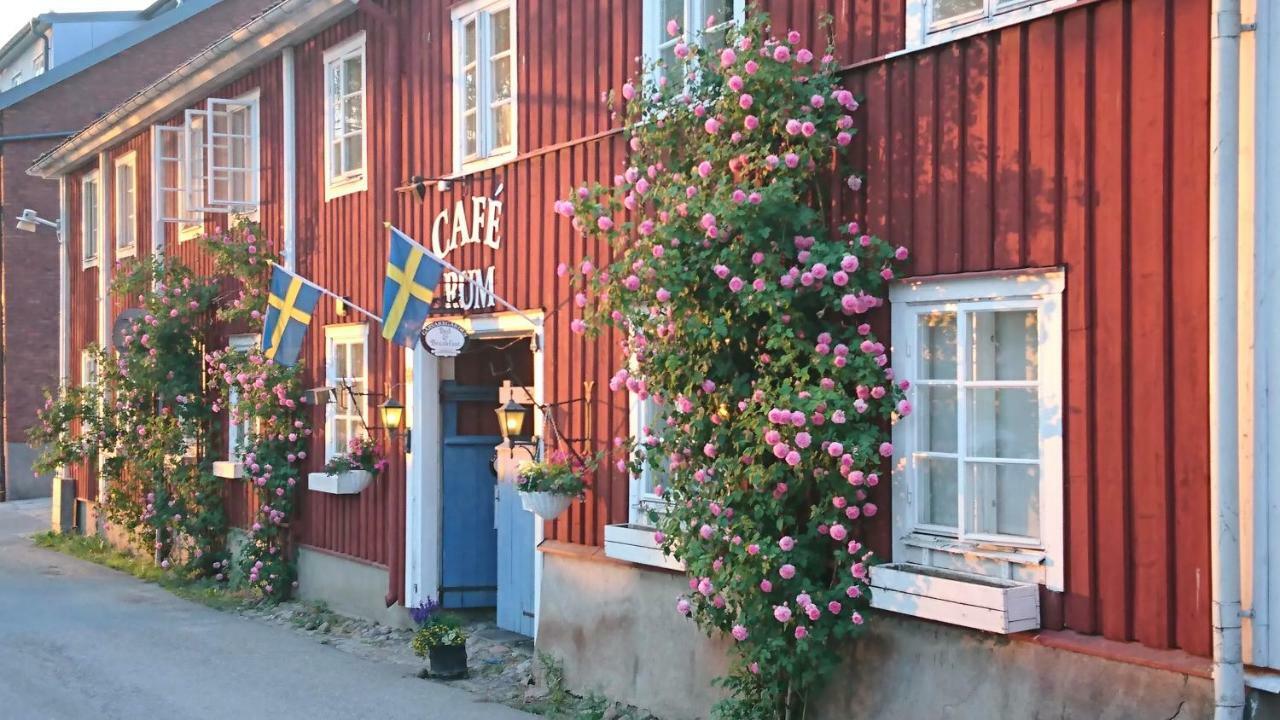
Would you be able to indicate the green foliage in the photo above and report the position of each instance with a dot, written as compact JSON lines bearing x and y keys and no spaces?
{"x":744,"y":310}
{"x":561,"y":473}
{"x":441,"y":630}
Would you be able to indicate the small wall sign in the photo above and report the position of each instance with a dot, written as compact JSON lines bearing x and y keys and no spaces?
{"x":443,"y":338}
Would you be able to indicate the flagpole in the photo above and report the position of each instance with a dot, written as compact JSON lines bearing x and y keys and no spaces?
{"x":331,"y":294}
{"x":501,"y":300}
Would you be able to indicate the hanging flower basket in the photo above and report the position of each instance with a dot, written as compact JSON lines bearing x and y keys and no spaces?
{"x":546,"y":505}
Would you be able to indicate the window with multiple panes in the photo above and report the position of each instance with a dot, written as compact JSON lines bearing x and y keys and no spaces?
{"x":125,"y":194}
{"x":90,"y":232}
{"x":936,"y":21}
{"x":980,"y":455}
{"x":484,"y":47}
{"x":88,"y":368}
{"x":237,"y":428}
{"x":701,"y":21}
{"x":647,"y":416}
{"x":345,"y":114}
{"x":346,"y":370}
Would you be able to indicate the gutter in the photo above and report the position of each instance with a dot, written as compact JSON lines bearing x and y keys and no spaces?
{"x":1224,"y":361}
{"x":26,"y":137}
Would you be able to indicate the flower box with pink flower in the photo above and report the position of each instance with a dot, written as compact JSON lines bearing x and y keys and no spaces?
{"x":548,"y":487}
{"x":351,"y":472}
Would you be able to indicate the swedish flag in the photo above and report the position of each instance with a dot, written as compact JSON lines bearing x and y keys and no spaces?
{"x":289,"y":308}
{"x":412,"y":277}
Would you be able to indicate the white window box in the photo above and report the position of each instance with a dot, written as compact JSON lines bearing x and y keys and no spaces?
{"x":983,"y":603}
{"x":635,"y":543}
{"x":351,"y":482}
{"x":228,"y":469}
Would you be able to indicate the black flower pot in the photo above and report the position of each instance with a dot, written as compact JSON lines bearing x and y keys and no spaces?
{"x":448,"y":662}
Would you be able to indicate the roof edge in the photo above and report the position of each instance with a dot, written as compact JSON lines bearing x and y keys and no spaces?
{"x":250,"y":44}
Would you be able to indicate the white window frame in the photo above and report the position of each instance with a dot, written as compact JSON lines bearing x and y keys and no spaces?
{"x":90,"y":219}
{"x":200,"y":136}
{"x":88,"y":367}
{"x":923,"y":31}
{"x":37,"y":64}
{"x":335,"y":335}
{"x":1001,"y":557}
{"x":125,"y":207}
{"x":487,"y":155}
{"x":654,"y":36}
{"x":237,"y":431}
{"x":642,"y":414}
{"x":355,"y":180}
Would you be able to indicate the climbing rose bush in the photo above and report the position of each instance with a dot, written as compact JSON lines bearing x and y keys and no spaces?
{"x":743,"y":309}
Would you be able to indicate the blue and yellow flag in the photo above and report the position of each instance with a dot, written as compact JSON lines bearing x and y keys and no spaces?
{"x":412,"y":277}
{"x":289,"y":308}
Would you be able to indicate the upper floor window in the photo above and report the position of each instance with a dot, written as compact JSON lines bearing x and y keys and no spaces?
{"x":484,"y":79}
{"x":90,"y":230}
{"x":700,"y":21}
{"x":930,"y":22}
{"x":346,"y":363}
{"x":126,"y":205}
{"x":978,"y":472}
{"x":345,"y":113}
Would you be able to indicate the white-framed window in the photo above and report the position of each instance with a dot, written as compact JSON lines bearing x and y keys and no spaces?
{"x":484,"y":82}
{"x":90,"y":232}
{"x":219,"y":156}
{"x":346,"y":113}
{"x":16,"y":80}
{"x":125,"y":194}
{"x":237,"y":429}
{"x":931,"y":22}
{"x":37,"y":64}
{"x":346,"y":370}
{"x":978,"y":462}
{"x":88,"y":367}
{"x":692,"y":16}
{"x":646,"y":416}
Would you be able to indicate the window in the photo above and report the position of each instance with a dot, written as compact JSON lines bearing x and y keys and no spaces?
{"x":88,"y":368}
{"x":646,"y":415}
{"x":484,"y":79}
{"x":237,"y":429}
{"x":930,"y":22}
{"x":346,"y":356}
{"x":90,"y":232}
{"x":345,"y":113}
{"x":126,"y":205}
{"x":218,"y":157}
{"x":692,"y":16}
{"x":978,"y":466}
{"x":16,"y":80}
{"x":37,"y":64}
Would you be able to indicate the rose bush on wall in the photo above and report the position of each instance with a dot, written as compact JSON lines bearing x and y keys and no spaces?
{"x":743,"y":308}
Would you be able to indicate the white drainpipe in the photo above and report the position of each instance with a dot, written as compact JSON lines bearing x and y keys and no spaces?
{"x":1224,"y":402}
{"x":289,"y":109}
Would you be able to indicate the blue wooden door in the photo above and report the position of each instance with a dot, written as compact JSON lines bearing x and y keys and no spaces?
{"x":515,"y":561}
{"x":469,"y":556}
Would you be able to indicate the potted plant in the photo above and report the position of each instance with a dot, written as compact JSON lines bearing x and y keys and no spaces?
{"x":549,"y":486}
{"x":350,"y":472}
{"x":442,"y":640}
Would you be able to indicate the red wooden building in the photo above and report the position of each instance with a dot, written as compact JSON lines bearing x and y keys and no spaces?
{"x":1047,"y":162}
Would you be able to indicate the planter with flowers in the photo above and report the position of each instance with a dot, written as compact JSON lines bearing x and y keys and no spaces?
{"x":548,"y":487}
{"x":351,"y":472}
{"x":441,"y":639}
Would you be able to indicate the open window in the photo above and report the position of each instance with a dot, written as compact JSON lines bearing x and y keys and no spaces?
{"x":932,"y":22}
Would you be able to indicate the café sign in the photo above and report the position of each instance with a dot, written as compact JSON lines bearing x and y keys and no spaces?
{"x":473,"y":223}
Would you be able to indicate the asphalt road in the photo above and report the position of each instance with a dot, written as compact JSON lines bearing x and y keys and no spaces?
{"x":80,"y":641}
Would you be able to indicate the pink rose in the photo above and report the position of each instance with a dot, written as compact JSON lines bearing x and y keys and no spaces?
{"x":787,"y":571}
{"x":782,"y":613}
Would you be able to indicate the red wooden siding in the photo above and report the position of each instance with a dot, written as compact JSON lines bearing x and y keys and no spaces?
{"x":1080,"y":140}
{"x":84,"y":313}
{"x":1077,"y":140}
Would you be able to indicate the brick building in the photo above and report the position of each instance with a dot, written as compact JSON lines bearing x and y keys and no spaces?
{"x":34,"y":116}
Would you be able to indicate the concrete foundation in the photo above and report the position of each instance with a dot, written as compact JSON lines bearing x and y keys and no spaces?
{"x":21,"y":482}
{"x":348,"y":587}
{"x":615,"y":628}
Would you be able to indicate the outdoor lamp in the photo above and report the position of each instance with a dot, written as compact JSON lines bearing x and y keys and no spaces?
{"x":511,"y":420}
{"x":392,"y":414}
{"x":29,"y":220}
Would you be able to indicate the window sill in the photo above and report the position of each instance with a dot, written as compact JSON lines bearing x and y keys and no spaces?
{"x":335,"y":188}
{"x":485,"y":163}
{"x":1003,"y":553}
{"x":86,"y":264}
{"x":974,"y":601}
{"x":126,"y":252}
{"x":635,"y":544}
{"x":228,"y":469}
{"x":190,"y":232}
{"x":920,"y":38}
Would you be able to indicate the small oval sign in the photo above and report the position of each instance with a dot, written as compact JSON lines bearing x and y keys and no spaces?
{"x":443,"y":338}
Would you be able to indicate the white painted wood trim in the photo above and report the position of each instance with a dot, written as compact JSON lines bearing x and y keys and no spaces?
{"x":105,"y":254}
{"x":289,"y":121}
{"x":228,"y":469}
{"x":977,"y":602}
{"x":487,"y":158}
{"x":351,"y":482}
{"x":635,"y":543}
{"x":922,"y":32}
{"x":128,"y":160}
{"x":336,"y":187}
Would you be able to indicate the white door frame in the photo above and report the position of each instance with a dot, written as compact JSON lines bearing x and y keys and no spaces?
{"x":423,"y":526}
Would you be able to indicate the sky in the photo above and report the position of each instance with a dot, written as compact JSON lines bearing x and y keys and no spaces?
{"x":16,"y":13}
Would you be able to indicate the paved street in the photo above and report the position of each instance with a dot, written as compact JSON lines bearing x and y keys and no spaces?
{"x":81,"y":641}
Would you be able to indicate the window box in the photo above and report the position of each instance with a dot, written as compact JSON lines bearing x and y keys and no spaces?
{"x":975,"y":601}
{"x":635,"y":543}
{"x":229,"y":469}
{"x":351,"y":482}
